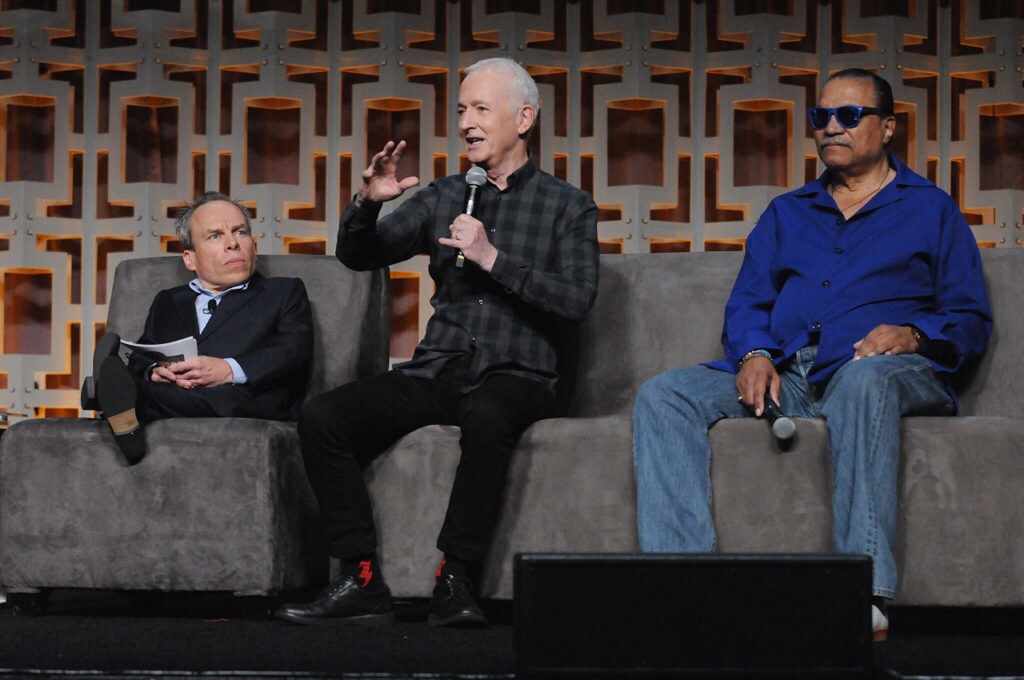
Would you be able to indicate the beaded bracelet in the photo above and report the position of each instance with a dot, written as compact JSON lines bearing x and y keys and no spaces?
{"x":751,"y":354}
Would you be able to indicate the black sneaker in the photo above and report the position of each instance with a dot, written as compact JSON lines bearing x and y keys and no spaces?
{"x":452,"y":605}
{"x":344,"y":602}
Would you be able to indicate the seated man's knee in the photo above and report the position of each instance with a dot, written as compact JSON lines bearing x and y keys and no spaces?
{"x":866,"y":376}
{"x":483,"y":420}
{"x":324,"y":413}
{"x":653,"y":391}
{"x":313,"y":413}
{"x":667,"y":389}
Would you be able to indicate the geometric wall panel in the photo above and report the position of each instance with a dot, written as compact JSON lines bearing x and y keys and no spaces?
{"x":682,"y":119}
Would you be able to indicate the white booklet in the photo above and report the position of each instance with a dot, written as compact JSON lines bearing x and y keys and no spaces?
{"x":167,"y":352}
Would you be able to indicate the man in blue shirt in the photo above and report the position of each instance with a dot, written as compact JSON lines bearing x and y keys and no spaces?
{"x":860,"y":294}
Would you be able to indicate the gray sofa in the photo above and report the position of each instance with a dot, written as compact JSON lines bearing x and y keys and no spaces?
{"x":216,"y":504}
{"x":571,"y":485}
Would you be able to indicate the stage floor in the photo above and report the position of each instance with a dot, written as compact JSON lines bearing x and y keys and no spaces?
{"x":101,"y":634}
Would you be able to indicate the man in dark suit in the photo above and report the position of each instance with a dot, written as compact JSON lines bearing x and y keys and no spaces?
{"x":254,"y":336}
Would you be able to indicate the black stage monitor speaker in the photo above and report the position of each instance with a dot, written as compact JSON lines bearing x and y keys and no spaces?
{"x":714,"y":615}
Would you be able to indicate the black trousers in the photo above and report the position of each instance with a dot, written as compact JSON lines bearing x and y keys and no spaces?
{"x":157,"y":400}
{"x":343,"y":430}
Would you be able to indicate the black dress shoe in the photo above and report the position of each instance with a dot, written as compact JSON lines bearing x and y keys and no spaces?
{"x":452,"y":605}
{"x":344,"y":602}
{"x":116,"y":394}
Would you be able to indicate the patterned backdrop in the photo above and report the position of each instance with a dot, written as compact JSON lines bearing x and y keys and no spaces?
{"x":683,"y":119}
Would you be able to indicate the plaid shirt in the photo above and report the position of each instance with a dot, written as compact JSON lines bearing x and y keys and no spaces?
{"x":545,"y":231}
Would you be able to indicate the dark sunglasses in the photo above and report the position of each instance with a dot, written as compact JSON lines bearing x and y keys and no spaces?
{"x":847,"y":116}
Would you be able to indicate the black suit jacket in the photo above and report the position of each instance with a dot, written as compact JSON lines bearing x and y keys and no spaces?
{"x":267,"y":328}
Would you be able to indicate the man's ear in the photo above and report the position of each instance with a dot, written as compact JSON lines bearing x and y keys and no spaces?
{"x":189,"y":258}
{"x":526,"y":117}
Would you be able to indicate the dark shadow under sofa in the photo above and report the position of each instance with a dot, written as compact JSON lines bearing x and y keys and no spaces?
{"x":571,"y":486}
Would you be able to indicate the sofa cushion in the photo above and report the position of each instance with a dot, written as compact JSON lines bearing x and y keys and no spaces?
{"x":569,"y":489}
{"x":233,"y":514}
{"x":960,"y":540}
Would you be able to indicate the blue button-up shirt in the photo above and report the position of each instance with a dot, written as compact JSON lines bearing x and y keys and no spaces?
{"x":811,"y":276}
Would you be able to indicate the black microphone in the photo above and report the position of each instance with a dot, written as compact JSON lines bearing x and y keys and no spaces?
{"x":783,"y":427}
{"x":210,"y":306}
{"x":475,"y":178}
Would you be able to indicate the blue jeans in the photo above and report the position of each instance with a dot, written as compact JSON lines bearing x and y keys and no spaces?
{"x":862,"y":403}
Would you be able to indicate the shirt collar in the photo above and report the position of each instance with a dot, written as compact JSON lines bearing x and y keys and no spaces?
{"x":904,"y":177}
{"x":522,"y":174}
{"x":198,"y":288}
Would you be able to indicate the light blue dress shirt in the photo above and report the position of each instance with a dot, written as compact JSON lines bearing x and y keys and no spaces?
{"x":204,"y":313}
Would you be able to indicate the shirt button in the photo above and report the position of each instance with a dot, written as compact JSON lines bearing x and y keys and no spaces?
{"x":816,"y":326}
{"x":826,"y":284}
{"x":480,"y":301}
{"x":837,"y":250}
{"x":840,"y":221}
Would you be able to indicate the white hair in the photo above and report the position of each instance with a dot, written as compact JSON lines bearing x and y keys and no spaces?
{"x":522,"y":82}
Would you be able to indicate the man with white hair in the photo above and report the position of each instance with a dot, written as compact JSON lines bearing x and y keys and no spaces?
{"x":525,"y":260}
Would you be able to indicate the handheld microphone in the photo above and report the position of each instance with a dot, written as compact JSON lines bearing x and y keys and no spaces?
{"x":475,"y":178}
{"x":783,"y":427}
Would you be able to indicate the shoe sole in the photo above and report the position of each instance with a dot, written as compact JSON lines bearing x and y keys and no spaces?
{"x":106,"y":346}
{"x":88,"y":396}
{"x":362,"y":620}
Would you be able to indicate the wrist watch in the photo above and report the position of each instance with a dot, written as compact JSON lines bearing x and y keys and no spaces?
{"x":919,"y":337}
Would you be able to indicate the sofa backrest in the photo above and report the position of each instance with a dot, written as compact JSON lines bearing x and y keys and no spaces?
{"x":350,"y":309}
{"x":995,"y":386}
{"x":656,"y":312}
{"x":653,"y":312}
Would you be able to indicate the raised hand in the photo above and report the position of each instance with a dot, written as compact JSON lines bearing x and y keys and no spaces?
{"x":380,"y":179}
